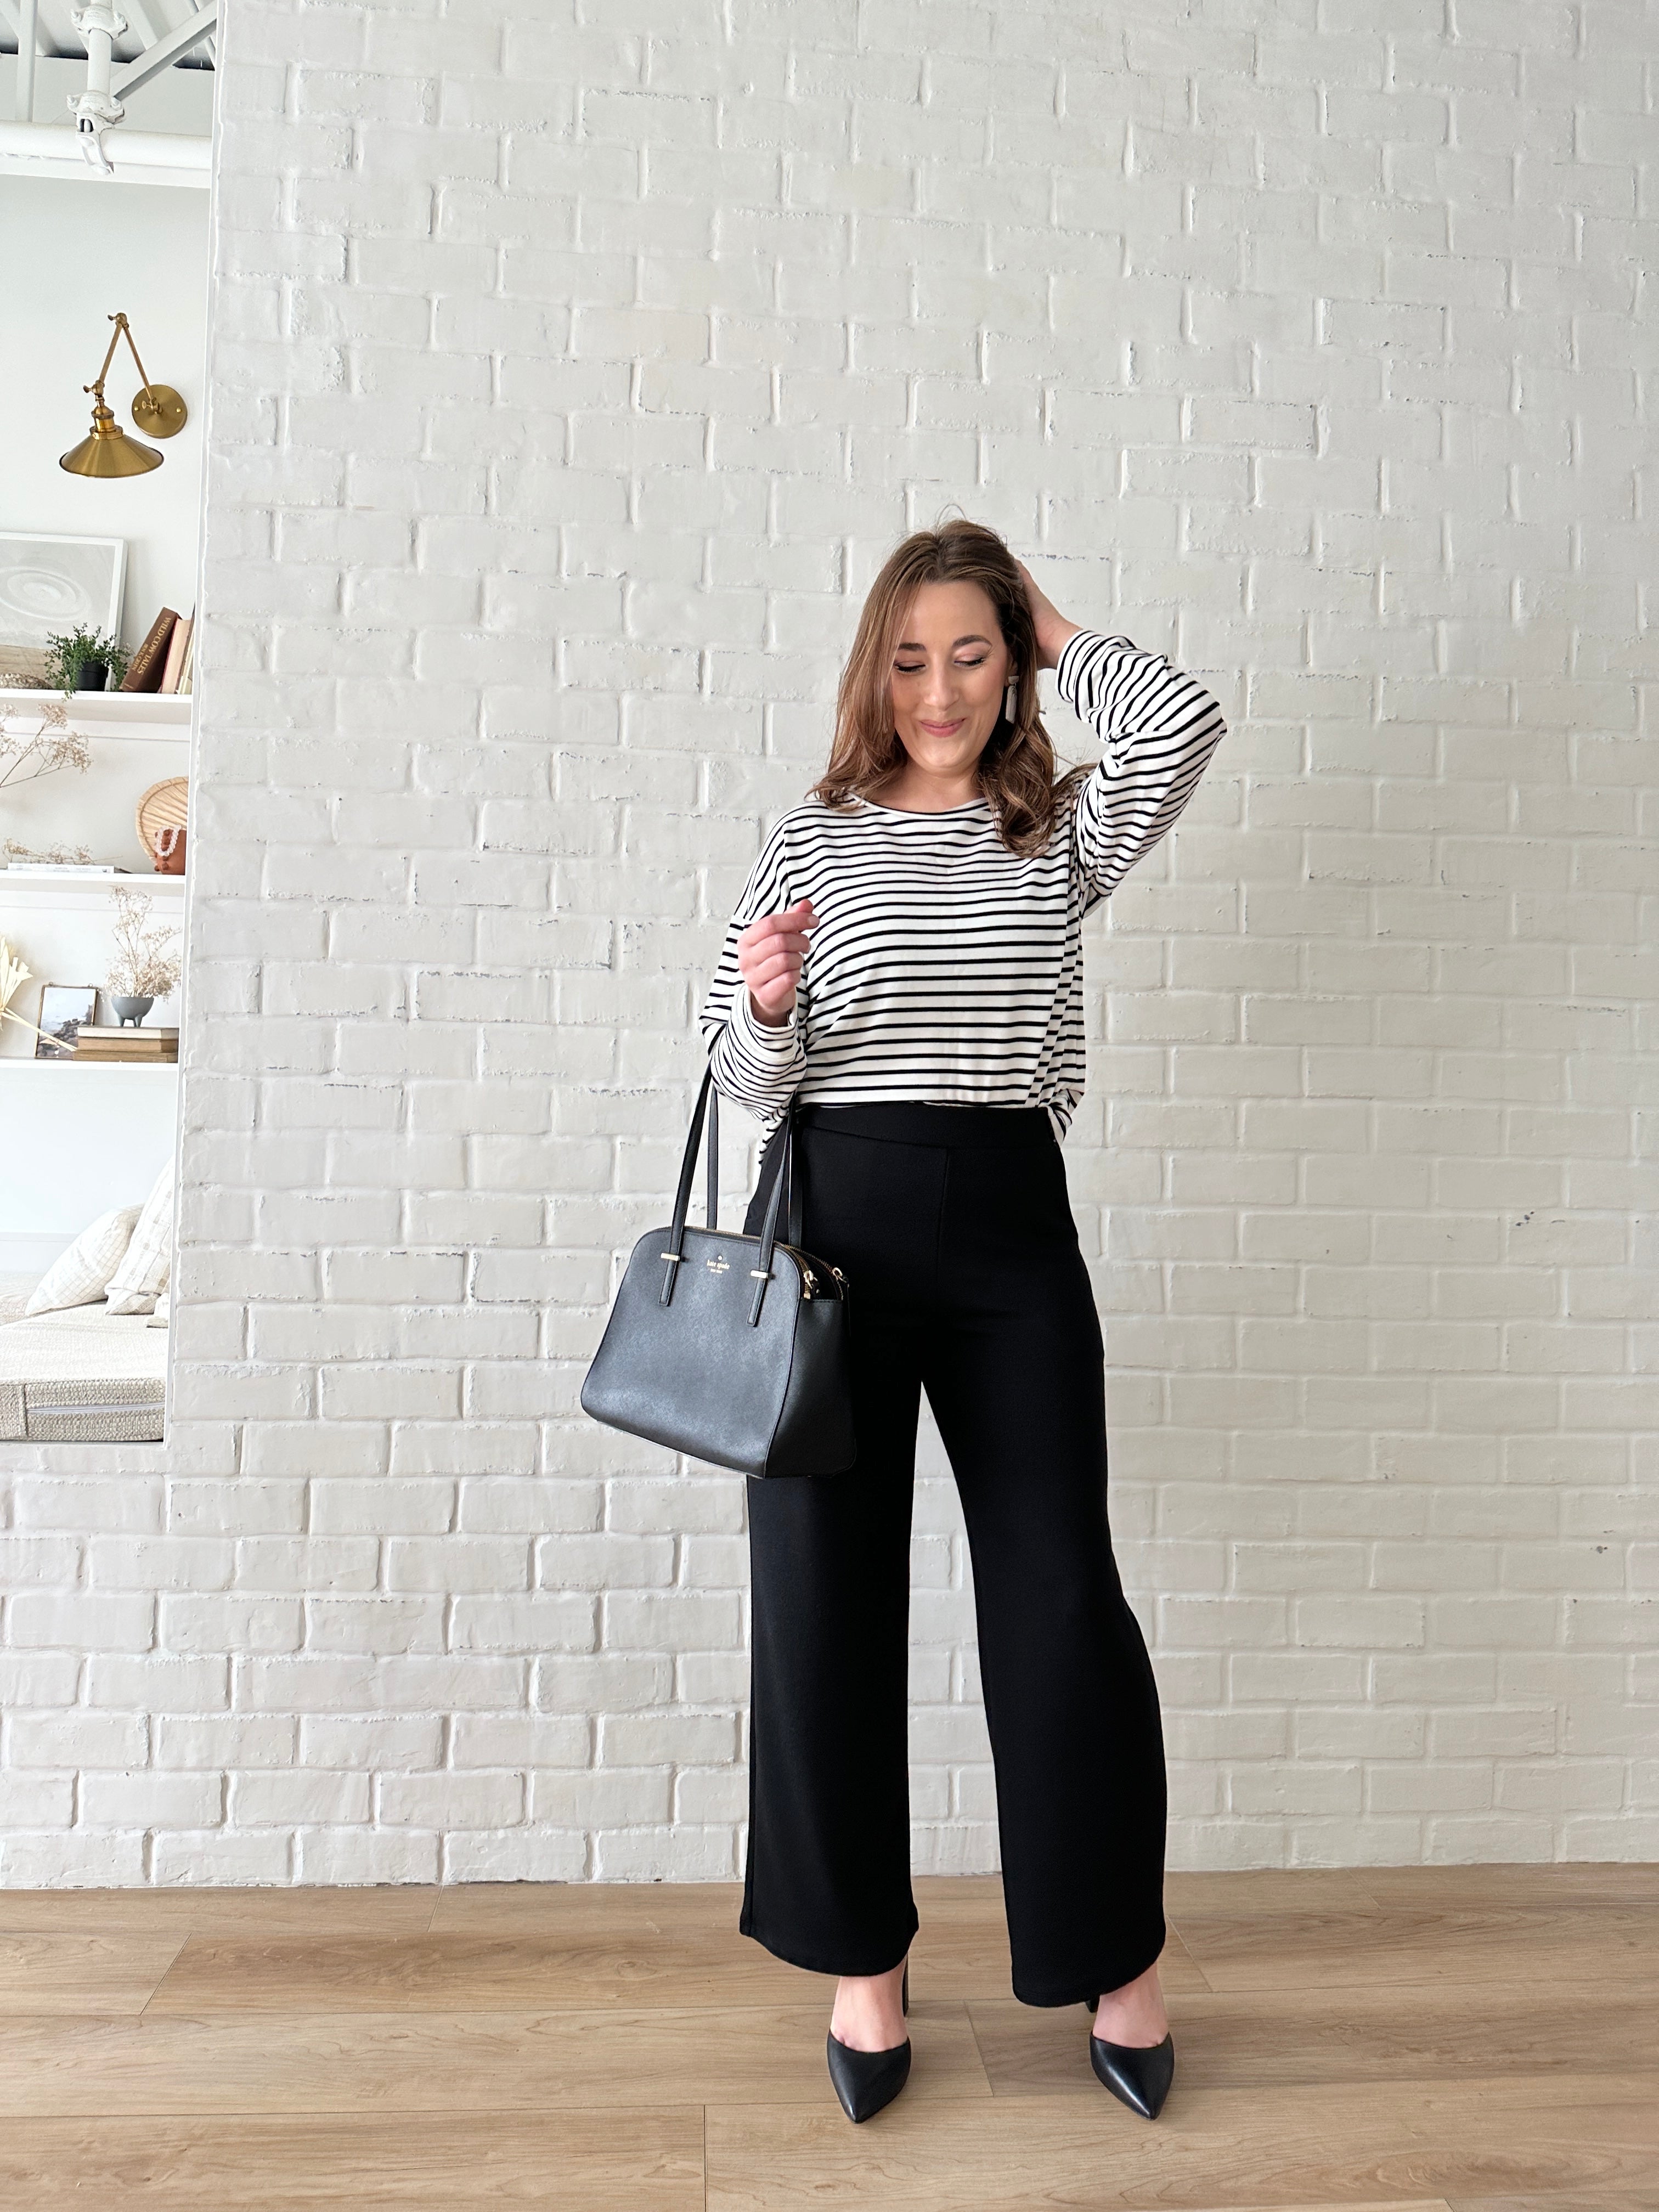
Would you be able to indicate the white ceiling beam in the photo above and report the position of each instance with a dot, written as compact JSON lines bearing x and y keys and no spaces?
{"x":55,"y":38}
{"x":28,"y":40}
{"x":163,"y":54}
{"x":13,"y":12}
{"x":24,"y":16}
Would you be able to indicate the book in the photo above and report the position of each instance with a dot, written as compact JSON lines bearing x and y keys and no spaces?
{"x":68,"y":868}
{"x":187,"y":673}
{"x":175,"y":660}
{"x":106,"y":1033}
{"x":130,"y":1041}
{"x":145,"y":670}
{"x":114,"y":1054}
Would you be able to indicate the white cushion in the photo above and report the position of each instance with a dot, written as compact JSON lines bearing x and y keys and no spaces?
{"x":79,"y":1377}
{"x":83,"y":1274}
{"x":142,"y":1276}
{"x":163,"y":1313}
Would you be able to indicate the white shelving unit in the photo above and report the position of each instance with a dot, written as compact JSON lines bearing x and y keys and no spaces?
{"x":106,"y":713}
{"x":134,"y":738}
{"x":92,"y":1135}
{"x":90,"y":894}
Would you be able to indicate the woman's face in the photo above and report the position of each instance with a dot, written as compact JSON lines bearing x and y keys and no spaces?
{"x":948,"y":676}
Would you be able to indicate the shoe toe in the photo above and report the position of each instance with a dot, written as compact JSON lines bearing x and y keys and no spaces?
{"x":1140,"y":2076}
{"x":865,"y":2080}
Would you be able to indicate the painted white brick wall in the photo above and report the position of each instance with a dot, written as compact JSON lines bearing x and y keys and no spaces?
{"x":572,"y":372}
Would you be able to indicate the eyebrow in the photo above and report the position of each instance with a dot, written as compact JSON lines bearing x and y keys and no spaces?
{"x":914,"y":645}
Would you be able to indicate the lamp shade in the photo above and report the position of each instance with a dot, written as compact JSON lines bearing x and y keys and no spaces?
{"x":108,"y":452}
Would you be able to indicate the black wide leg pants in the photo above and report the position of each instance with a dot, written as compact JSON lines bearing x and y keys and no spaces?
{"x":953,"y":1226}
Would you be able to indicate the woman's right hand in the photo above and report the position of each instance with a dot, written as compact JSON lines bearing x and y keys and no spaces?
{"x":769,"y":955}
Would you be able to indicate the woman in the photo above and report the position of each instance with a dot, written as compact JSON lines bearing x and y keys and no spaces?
{"x":906,"y":962}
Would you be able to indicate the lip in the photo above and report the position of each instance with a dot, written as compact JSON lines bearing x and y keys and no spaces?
{"x":942,"y":729}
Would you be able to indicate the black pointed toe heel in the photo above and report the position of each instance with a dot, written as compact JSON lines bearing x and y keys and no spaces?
{"x":1139,"y":2075}
{"x":865,"y":2080}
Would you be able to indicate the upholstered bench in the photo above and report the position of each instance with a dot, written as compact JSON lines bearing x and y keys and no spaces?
{"x":82,"y":1376}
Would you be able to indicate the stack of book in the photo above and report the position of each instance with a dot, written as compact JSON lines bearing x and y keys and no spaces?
{"x":166,"y":660}
{"x":98,"y":1041}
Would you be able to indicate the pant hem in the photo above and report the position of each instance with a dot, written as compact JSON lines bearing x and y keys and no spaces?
{"x":819,"y":1965}
{"x":1110,"y":1978}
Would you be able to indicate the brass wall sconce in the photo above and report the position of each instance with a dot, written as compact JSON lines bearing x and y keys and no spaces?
{"x":108,"y":452}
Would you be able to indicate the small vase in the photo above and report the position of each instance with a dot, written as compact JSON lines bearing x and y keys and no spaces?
{"x":92,"y":675}
{"x":132,"y":1010}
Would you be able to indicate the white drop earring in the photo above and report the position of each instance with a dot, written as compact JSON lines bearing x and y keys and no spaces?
{"x":1008,"y":702}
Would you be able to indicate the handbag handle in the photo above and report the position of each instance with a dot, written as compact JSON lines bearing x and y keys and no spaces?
{"x":708,"y":1105}
{"x":792,"y":1234}
{"x":711,"y":1218}
{"x":711,"y":1215}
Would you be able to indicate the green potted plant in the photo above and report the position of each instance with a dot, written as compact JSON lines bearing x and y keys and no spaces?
{"x":86,"y":660}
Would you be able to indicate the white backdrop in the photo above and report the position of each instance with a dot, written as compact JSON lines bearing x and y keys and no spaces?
{"x":570,"y":384}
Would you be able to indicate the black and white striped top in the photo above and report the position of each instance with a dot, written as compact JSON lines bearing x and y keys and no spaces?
{"x":944,"y":967}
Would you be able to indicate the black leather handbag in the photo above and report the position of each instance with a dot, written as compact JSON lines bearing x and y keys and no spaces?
{"x":732,"y":1347}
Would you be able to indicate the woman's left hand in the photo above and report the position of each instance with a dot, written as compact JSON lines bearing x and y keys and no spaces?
{"x":1052,"y":630}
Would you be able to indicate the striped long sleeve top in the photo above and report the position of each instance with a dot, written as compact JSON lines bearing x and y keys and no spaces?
{"x":944,"y":967}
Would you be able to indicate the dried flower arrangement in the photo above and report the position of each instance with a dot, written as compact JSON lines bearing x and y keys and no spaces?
{"x":144,"y":966}
{"x":13,"y":977}
{"x":53,"y":745}
{"x":58,"y":856}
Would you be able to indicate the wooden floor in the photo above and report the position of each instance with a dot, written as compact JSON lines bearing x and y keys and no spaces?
{"x":1469,"y":2039}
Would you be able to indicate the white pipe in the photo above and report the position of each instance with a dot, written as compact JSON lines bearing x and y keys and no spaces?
{"x":132,"y":153}
{"x":100,"y":52}
{"x":28,"y":13}
{"x":100,"y":27}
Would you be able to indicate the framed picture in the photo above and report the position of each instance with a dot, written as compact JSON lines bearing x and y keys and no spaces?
{"x":55,"y":583}
{"x":63,"y":1007}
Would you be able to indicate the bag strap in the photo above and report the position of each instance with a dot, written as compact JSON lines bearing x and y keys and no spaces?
{"x":783,"y":1178}
{"x":711,"y":1214}
{"x":793,"y":1233}
{"x":711,"y":1206}
{"x":793,"y":1203}
{"x":676,"y":1252}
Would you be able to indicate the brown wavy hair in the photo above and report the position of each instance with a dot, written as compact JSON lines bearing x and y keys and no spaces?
{"x":1015,"y":770}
